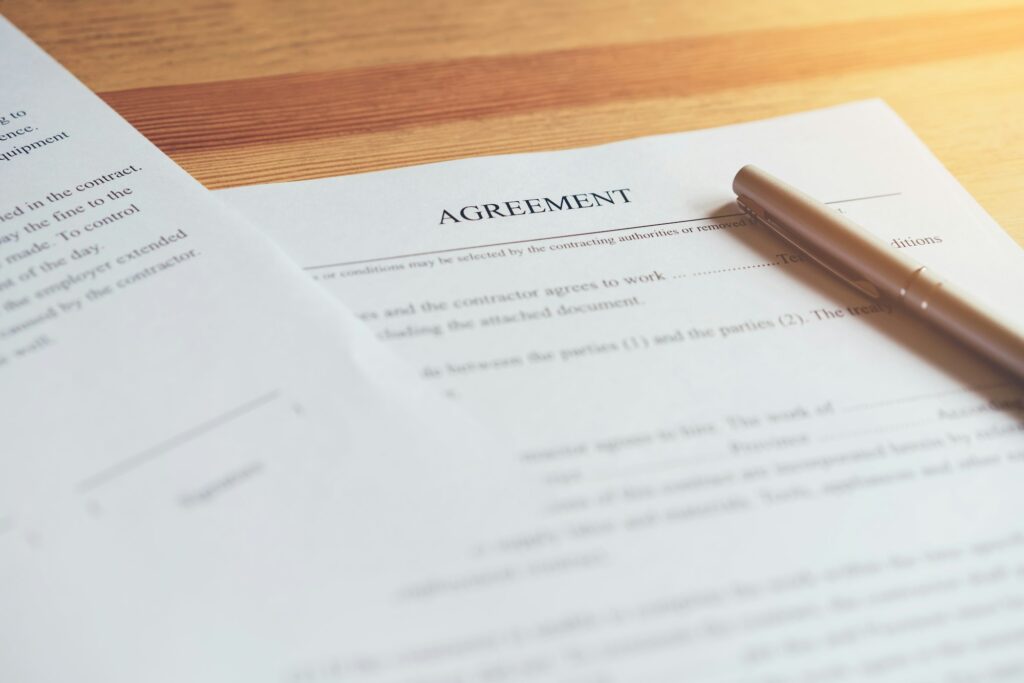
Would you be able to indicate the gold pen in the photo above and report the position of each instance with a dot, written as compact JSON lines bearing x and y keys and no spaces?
{"x":874,"y":268}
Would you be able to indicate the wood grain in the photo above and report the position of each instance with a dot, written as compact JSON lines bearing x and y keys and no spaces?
{"x":244,"y":92}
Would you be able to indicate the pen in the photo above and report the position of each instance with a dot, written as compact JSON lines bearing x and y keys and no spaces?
{"x":874,"y":268}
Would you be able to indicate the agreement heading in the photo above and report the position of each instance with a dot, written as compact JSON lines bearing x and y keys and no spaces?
{"x":522,"y":207}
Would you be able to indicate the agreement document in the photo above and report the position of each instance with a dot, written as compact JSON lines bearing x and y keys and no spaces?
{"x":750,"y":472}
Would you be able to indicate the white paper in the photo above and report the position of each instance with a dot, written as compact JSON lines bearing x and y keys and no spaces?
{"x":762,"y":476}
{"x":207,"y":466}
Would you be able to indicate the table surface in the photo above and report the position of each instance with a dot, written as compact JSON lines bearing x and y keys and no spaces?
{"x":241,"y":92}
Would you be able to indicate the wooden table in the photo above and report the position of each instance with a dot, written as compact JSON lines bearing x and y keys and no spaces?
{"x":250,"y":91}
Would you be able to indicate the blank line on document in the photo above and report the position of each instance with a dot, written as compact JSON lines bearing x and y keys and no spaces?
{"x":127,"y":465}
{"x":566,"y":236}
{"x":859,"y":433}
{"x":922,"y":397}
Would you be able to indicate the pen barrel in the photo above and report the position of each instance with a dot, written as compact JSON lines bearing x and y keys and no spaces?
{"x":955,"y":313}
{"x":832,"y":239}
{"x":876,"y":269}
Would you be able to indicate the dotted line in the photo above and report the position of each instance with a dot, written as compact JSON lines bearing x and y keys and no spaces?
{"x":907,"y":399}
{"x":730,"y":270}
{"x":880,"y":430}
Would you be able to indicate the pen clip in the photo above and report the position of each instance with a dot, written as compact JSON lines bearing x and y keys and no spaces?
{"x":760,"y":215}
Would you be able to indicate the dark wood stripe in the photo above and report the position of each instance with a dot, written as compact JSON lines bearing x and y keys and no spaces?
{"x":312,"y":106}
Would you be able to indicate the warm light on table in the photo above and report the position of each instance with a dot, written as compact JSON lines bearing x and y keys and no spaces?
{"x":245,"y":92}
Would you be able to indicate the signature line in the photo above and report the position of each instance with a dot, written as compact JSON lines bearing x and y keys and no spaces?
{"x":129,"y":464}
